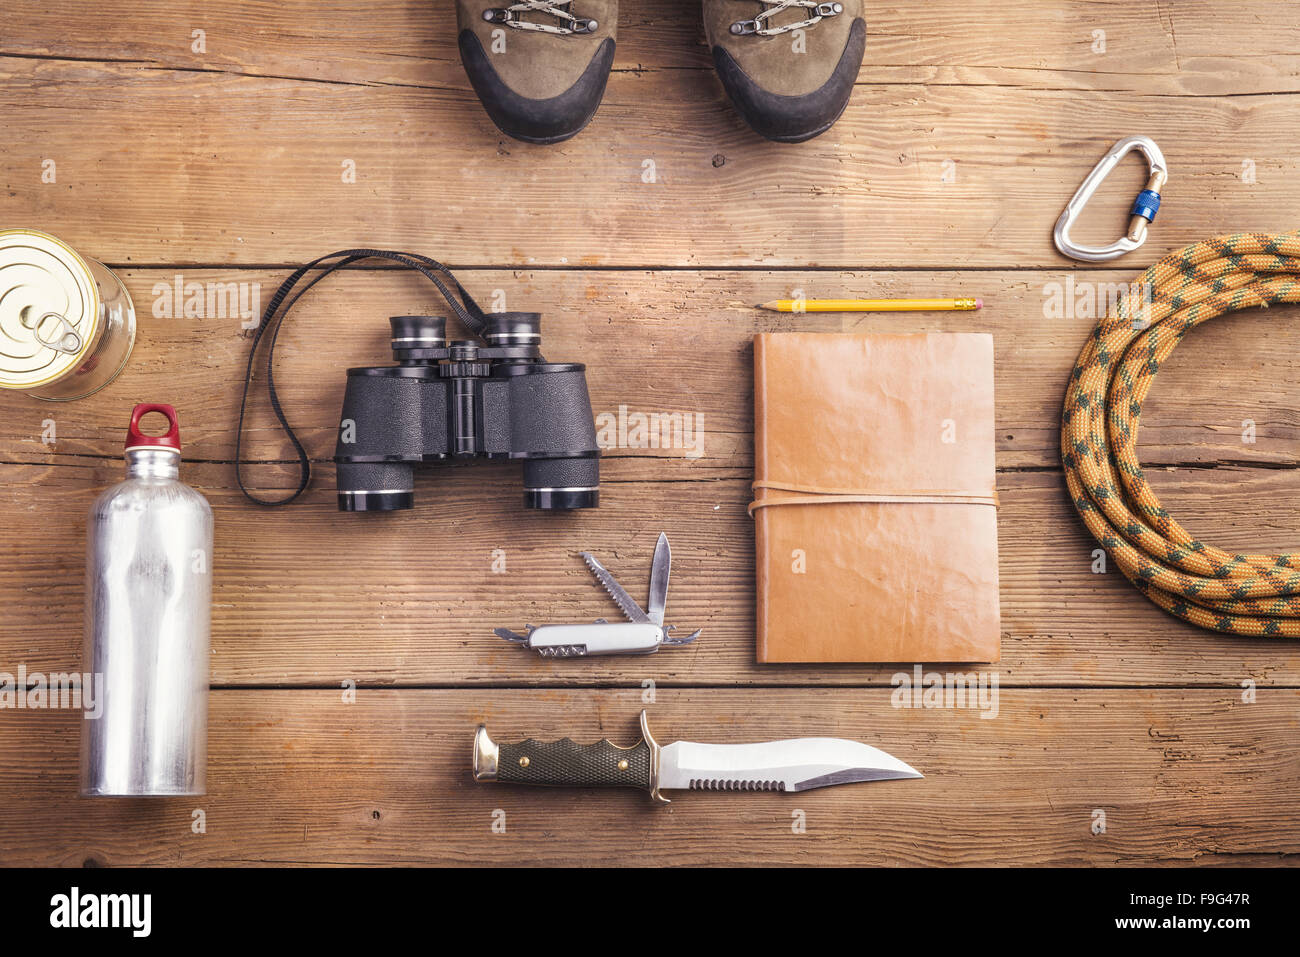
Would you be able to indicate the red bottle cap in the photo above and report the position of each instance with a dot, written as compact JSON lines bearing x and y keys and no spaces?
{"x":135,"y":439}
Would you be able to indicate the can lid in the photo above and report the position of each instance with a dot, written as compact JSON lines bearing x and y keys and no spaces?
{"x":171,"y":439}
{"x":49,"y":309}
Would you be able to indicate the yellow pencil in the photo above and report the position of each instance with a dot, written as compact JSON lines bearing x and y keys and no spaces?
{"x":871,"y":305}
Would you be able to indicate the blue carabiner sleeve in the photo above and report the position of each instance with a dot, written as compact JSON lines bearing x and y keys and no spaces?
{"x":1146,"y":205}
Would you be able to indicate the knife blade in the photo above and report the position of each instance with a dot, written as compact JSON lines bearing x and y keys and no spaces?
{"x":792,"y":765}
{"x":660,"y":568}
{"x":625,"y":602}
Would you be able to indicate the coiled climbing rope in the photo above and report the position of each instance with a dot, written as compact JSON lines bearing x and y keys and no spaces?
{"x":1251,"y":594}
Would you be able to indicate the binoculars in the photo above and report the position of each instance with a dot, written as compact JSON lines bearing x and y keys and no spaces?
{"x":495,"y":399}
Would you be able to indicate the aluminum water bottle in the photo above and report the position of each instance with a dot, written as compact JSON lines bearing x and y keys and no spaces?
{"x":148,"y":610}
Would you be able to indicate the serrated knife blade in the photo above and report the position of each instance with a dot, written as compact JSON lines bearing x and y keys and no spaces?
{"x":794,"y":764}
{"x":616,"y":591}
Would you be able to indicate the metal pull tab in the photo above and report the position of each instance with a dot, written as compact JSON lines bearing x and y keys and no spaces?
{"x":65,"y":338}
{"x":1144,"y":207}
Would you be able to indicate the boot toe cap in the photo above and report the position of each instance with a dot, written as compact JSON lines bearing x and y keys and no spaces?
{"x":793,"y":119}
{"x":549,"y":120}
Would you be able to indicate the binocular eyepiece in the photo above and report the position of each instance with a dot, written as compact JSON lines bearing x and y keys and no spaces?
{"x":417,"y":332}
{"x":463,"y":399}
{"x":505,"y":329}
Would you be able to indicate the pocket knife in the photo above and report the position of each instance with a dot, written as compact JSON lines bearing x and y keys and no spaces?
{"x":643,"y":633}
{"x":795,"y":764}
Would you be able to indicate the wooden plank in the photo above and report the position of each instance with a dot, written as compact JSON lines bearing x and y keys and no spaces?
{"x":666,"y":342}
{"x":1180,"y":49}
{"x":916,"y":174}
{"x":306,"y":596}
{"x":418,"y":586}
{"x":1181,"y":777}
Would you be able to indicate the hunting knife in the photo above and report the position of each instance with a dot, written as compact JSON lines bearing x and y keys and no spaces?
{"x":794,"y":764}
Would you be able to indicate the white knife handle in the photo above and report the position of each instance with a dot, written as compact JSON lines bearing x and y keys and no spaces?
{"x":576,"y":641}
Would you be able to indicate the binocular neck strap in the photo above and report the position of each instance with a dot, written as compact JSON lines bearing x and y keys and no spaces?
{"x":466,"y":310}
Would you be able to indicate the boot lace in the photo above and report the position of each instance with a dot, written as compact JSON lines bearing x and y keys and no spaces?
{"x":564,"y":22}
{"x":761,"y":25}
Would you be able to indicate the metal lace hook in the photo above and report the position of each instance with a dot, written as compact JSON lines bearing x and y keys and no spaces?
{"x":511,"y":17}
{"x":1144,"y":207}
{"x":816,"y":13}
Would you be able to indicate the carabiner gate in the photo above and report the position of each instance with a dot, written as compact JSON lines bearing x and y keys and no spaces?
{"x":1144,"y":207}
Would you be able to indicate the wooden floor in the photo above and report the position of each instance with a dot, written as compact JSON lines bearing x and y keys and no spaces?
{"x":971,"y":125}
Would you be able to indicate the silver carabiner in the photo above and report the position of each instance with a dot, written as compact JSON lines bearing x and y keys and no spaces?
{"x":1144,"y":207}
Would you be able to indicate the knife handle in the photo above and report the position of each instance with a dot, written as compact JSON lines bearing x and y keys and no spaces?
{"x":565,"y":763}
{"x":602,"y":638}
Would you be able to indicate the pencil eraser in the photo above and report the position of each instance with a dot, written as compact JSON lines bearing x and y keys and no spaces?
{"x":979,"y":303}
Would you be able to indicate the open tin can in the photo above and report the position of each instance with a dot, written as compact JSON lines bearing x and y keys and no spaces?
{"x":67,"y":323}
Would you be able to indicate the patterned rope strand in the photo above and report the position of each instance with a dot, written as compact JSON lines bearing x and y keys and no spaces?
{"x":1240,"y":594}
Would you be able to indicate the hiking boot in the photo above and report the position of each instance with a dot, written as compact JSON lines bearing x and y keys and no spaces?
{"x":538,"y":67}
{"x":788,"y":65}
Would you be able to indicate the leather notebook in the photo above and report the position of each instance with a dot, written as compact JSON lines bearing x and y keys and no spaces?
{"x":875,"y":503}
